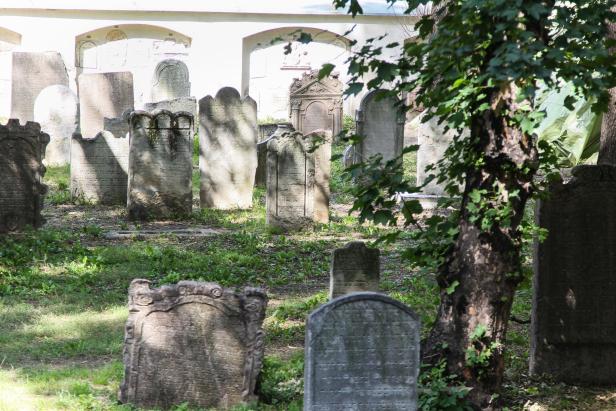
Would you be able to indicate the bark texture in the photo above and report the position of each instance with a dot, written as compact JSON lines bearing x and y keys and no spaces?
{"x":607,"y":148}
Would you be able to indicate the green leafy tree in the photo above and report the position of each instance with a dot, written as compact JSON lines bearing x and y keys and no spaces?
{"x":477,"y":66}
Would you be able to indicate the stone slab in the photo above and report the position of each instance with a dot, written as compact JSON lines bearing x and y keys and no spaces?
{"x":184,"y":232}
{"x":171,"y":81}
{"x":354,"y":268}
{"x":261,"y":173}
{"x":187,"y":104}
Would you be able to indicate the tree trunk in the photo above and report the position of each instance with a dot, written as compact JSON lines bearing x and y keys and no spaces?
{"x":486,"y":265}
{"x":607,"y":147}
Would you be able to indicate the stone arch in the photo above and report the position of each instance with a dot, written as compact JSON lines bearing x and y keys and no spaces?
{"x":9,"y":39}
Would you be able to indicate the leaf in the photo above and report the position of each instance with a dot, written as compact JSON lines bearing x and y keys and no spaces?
{"x":326,"y":70}
{"x":304,"y":38}
{"x":452,"y":287}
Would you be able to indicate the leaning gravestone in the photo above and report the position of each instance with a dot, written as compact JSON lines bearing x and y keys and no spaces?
{"x":103,"y":95}
{"x":160,"y":164}
{"x":22,"y":149}
{"x":354,"y":268}
{"x":361,"y":353}
{"x":55,"y":109}
{"x":187,"y":104}
{"x":381,"y":123}
{"x":193,"y":343}
{"x":227,"y":149}
{"x":171,"y":81}
{"x":573,"y":332}
{"x":32,"y":73}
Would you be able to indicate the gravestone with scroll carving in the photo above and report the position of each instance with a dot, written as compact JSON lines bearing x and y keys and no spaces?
{"x":354,"y":268}
{"x":194,"y":343}
{"x":160,"y":164}
{"x":227,"y":149}
{"x":171,"y":81}
{"x":573,"y":332}
{"x":316,"y":104}
{"x":22,"y":149}
{"x":361,"y":353}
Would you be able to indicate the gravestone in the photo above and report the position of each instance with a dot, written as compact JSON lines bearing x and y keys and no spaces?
{"x":361,"y":353}
{"x":316,"y":104}
{"x":22,"y":149}
{"x":187,"y":104}
{"x":321,"y":142}
{"x":194,"y":343}
{"x":227,"y":149}
{"x":381,"y":124}
{"x":171,"y":81}
{"x":573,"y":332}
{"x":103,"y":95}
{"x":354,"y":268}
{"x":99,"y":166}
{"x":261,"y":173}
{"x":266,"y":130}
{"x":290,"y":181}
{"x":160,"y":164}
{"x":55,"y":109}
{"x":32,"y":73}
{"x":433,"y":141}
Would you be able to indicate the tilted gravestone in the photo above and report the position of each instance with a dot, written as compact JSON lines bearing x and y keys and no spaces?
{"x":316,"y":104}
{"x":354,"y":268}
{"x":160,"y":164}
{"x":573,"y":332}
{"x":55,"y":109}
{"x":194,"y":343}
{"x":227,"y":149}
{"x":32,"y":73}
{"x":261,"y":173}
{"x":187,"y":104}
{"x":361,"y":353}
{"x":171,"y":81}
{"x":103,"y":95}
{"x":22,"y":149}
{"x":381,"y":124}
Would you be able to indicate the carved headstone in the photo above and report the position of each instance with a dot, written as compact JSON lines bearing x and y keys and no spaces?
{"x":187,"y":104}
{"x":433,"y":141}
{"x":573,"y":332}
{"x":227,"y":149}
{"x":32,"y":73}
{"x":55,"y":109}
{"x":354,"y":268}
{"x":103,"y":95}
{"x":22,"y":149}
{"x":261,"y":173}
{"x":316,"y":104}
{"x":171,"y":81}
{"x":290,"y":181}
{"x":381,"y":123}
{"x":361,"y":353}
{"x":321,"y":143}
{"x":266,"y":130}
{"x":160,"y":164}
{"x":194,"y":343}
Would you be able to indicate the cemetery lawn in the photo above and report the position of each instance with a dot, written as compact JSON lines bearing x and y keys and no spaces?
{"x":63,"y":294}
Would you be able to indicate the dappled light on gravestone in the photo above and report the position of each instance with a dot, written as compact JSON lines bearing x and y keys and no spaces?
{"x":320,"y":141}
{"x":354,"y":268}
{"x":261,"y":173}
{"x":187,"y":104}
{"x":194,"y":343}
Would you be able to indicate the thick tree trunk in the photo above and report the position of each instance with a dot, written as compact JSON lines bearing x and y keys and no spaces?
{"x":607,"y":148}
{"x":486,"y":265}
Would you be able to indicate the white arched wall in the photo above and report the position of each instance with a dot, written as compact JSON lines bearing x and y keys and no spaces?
{"x":9,"y":41}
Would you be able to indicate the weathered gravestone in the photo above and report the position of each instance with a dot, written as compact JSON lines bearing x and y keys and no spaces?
{"x":573,"y":331}
{"x":316,"y":104}
{"x":171,"y":81}
{"x":354,"y":268}
{"x":187,"y":104}
{"x":361,"y":353}
{"x":433,"y":141}
{"x":381,"y":123}
{"x":160,"y":164}
{"x":32,"y":73}
{"x":99,"y":166}
{"x":22,"y":149}
{"x":194,"y":343}
{"x":261,"y":173}
{"x":321,"y":142}
{"x":55,"y":109}
{"x":227,"y":149}
{"x":101,"y":96}
{"x":266,"y":130}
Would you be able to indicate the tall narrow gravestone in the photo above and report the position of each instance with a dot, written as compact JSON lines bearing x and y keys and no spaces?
{"x":354,"y":268}
{"x":160,"y":164}
{"x":22,"y":149}
{"x":361,"y":353}
{"x":193,"y":343}
{"x":573,"y":331}
{"x":261,"y":173}
{"x":227,"y":149}
{"x":321,"y":142}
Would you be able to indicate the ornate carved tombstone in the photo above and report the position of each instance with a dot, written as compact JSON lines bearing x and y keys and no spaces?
{"x":573,"y":331}
{"x":55,"y":109}
{"x":22,"y":149}
{"x":187,"y":104}
{"x":192,"y":342}
{"x":171,"y":81}
{"x":160,"y":164}
{"x":361,"y":353}
{"x":354,"y":268}
{"x":381,"y":123}
{"x":101,"y":96}
{"x":227,"y":149}
{"x":316,"y":104}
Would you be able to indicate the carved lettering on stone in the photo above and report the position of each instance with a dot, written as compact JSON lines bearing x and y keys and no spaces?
{"x":194,"y":343}
{"x":261,"y":174}
{"x":354,"y":268}
{"x":361,"y":353}
{"x":171,"y":80}
{"x":187,"y":104}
